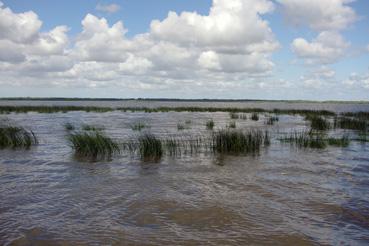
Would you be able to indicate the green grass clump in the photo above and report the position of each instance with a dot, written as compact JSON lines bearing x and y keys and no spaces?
{"x":69,"y":126}
{"x":232,"y":124}
{"x":210,"y":124}
{"x":138,"y":126}
{"x":351,"y":123}
{"x":150,"y":147}
{"x":339,"y":142}
{"x":255,"y":116}
{"x":180,"y":126}
{"x":310,"y":139}
{"x":233,"y":115}
{"x":318,"y":123}
{"x":87,"y":127}
{"x":16,"y":138}
{"x":93,"y":145}
{"x":272,"y":120}
{"x":237,"y":142}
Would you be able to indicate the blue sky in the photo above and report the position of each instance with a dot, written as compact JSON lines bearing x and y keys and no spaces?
{"x":261,"y":49}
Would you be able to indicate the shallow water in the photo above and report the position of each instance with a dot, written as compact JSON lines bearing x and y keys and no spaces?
{"x":284,"y":196}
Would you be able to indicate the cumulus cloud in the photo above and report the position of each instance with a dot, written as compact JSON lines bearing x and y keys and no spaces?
{"x":109,"y":8}
{"x":328,"y":47}
{"x":20,"y":37}
{"x":356,"y":80}
{"x":319,"y":15}
{"x":328,"y":17}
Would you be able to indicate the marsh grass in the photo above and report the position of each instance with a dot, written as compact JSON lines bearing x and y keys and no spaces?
{"x":180,"y":126}
{"x":315,"y":140}
{"x":56,"y":109}
{"x":351,"y":123}
{"x":237,"y":142}
{"x":69,"y":126}
{"x":87,"y":127}
{"x":255,"y":116}
{"x":150,"y":147}
{"x":271,"y":120}
{"x":138,"y":126}
{"x":93,"y":145}
{"x":232,"y":124}
{"x":318,"y":123}
{"x":16,"y":137}
{"x":210,"y":124}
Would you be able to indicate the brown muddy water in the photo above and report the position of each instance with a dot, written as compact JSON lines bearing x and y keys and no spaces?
{"x":283,"y":196}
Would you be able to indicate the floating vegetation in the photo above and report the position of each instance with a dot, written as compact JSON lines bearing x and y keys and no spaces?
{"x":318,"y":123}
{"x":232,"y":124}
{"x":93,"y":145}
{"x":236,"y":142}
{"x":16,"y":138}
{"x":310,"y":139}
{"x":351,"y":123}
{"x":254,"y":117}
{"x":233,"y":115}
{"x":188,"y":122}
{"x":180,"y":126}
{"x":210,"y":124}
{"x":87,"y":127}
{"x":138,"y":126}
{"x":69,"y":126}
{"x":271,"y":120}
{"x":150,"y":147}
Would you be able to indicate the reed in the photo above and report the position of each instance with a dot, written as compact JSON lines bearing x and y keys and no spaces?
{"x":255,"y":117}
{"x":150,"y":147}
{"x":210,"y":124}
{"x":16,"y":138}
{"x":351,"y":123}
{"x":315,"y":140}
{"x":138,"y":126}
{"x":55,"y":109}
{"x":318,"y":123}
{"x":180,"y":126}
{"x":271,"y":120}
{"x":236,"y":142}
{"x":69,"y":126}
{"x":93,"y":145}
{"x":87,"y":127}
{"x":232,"y":125}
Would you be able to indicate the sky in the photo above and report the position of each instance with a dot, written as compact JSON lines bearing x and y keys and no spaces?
{"x":224,"y":49}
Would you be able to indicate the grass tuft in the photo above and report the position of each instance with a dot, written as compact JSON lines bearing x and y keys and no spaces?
{"x":16,"y":138}
{"x":69,"y":126}
{"x":93,"y":145}
{"x":236,"y":142}
{"x":150,"y":147}
{"x":318,"y":123}
{"x":138,"y":126}
{"x":210,"y":124}
{"x":351,"y":123}
{"x":255,"y":116}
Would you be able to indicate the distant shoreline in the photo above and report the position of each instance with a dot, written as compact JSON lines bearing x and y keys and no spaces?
{"x":170,"y":100}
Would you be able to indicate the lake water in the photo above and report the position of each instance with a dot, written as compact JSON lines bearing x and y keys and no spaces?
{"x":283,"y":196}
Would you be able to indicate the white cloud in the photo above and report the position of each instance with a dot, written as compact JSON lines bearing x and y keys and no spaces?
{"x":109,"y":8}
{"x":356,"y":80}
{"x":99,"y":42}
{"x":328,"y":47}
{"x":319,"y":15}
{"x":18,"y":28}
